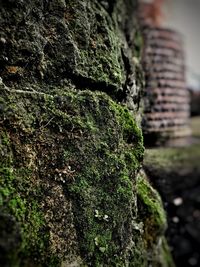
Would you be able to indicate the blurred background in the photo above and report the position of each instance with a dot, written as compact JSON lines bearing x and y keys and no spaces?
{"x":171,"y":121}
{"x":184,"y":16}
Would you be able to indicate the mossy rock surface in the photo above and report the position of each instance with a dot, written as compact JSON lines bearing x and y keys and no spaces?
{"x":151,"y":212}
{"x":82,"y":44}
{"x":55,"y":41}
{"x":68,"y":191}
{"x":69,"y":155}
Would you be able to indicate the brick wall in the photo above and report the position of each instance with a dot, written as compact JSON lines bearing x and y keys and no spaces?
{"x":166,"y":98}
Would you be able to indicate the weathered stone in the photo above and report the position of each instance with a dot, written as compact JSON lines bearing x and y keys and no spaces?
{"x":52,"y":41}
{"x":70,"y":154}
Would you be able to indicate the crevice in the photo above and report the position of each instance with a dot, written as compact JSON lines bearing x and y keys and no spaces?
{"x":127,"y":67}
{"x":83,"y":83}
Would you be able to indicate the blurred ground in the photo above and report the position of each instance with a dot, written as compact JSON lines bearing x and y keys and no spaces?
{"x":175,"y":172}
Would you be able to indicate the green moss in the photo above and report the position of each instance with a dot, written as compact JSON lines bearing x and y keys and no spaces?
{"x":22,"y":205}
{"x":105,"y":182}
{"x":4,"y":139}
{"x":99,"y":55}
{"x":90,"y":148}
{"x":152,"y":203}
{"x":19,"y":202}
{"x":72,"y":170}
{"x":165,"y":254}
{"x":150,"y":208}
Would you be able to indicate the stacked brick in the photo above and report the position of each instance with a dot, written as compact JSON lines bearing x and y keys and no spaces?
{"x":166,"y":104}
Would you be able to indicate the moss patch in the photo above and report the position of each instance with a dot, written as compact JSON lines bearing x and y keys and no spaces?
{"x":99,"y":57}
{"x":150,"y":210}
{"x":22,"y":220}
{"x":153,"y":206}
{"x":61,"y":41}
{"x":69,"y":174}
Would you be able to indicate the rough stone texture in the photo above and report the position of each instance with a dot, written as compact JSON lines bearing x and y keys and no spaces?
{"x":70,"y":194}
{"x":151,"y":213}
{"x":54,"y":40}
{"x":175,"y":172}
{"x":69,"y":167}
{"x":59,"y":42}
